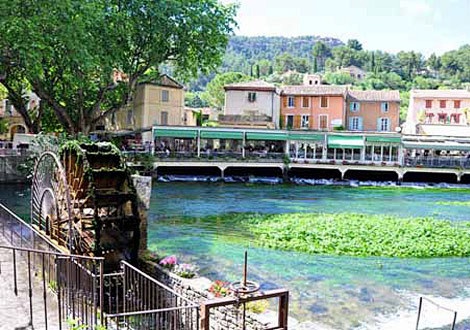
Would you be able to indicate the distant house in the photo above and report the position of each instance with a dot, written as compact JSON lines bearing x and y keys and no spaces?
{"x":373,"y":110}
{"x":439,"y":112}
{"x":354,"y":71}
{"x":158,"y":102}
{"x":312,"y":79}
{"x":14,"y":120}
{"x":318,"y":107}
{"x":251,"y":104}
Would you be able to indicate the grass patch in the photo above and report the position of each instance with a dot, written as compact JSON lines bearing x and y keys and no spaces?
{"x":360,"y":234}
{"x":454,"y":203}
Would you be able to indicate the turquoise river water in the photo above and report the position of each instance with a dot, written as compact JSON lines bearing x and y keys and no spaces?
{"x":336,"y":292}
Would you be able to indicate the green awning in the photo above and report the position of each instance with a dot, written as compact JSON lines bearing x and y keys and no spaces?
{"x":175,"y":133}
{"x":345,"y":142}
{"x":266,"y":136}
{"x":304,"y":137}
{"x":385,"y":139}
{"x":436,"y":146}
{"x":222,"y":135}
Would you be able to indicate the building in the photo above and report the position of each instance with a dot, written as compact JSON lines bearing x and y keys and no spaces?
{"x":15,"y":122}
{"x":312,"y":79}
{"x":354,"y":71}
{"x":251,"y":104}
{"x":377,"y":111}
{"x":439,"y":112}
{"x":318,"y":107}
{"x":159,"y":102}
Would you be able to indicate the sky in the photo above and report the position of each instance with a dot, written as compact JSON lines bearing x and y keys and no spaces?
{"x":426,"y":26}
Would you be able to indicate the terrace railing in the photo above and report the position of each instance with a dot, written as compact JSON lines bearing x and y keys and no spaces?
{"x":145,"y":303}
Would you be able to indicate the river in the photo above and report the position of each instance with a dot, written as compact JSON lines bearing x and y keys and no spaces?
{"x":338,"y":292}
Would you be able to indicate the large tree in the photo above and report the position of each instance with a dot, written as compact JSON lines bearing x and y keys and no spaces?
{"x":67,"y":51}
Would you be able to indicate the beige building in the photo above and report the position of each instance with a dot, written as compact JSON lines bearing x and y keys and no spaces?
{"x":312,"y":79}
{"x":438,"y":112}
{"x":14,"y":120}
{"x":251,"y":104}
{"x":354,"y":71}
{"x":158,"y":102}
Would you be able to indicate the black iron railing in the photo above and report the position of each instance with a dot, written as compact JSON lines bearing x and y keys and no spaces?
{"x":145,"y":303}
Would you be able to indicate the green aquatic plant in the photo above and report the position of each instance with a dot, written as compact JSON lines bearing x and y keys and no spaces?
{"x":355,"y":234}
{"x":455,"y":203}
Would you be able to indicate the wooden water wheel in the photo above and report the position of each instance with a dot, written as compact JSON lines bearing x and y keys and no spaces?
{"x":84,"y":200}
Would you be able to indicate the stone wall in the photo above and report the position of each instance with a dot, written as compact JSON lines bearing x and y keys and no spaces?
{"x":196,"y":290}
{"x":10,"y":169}
{"x":143,"y":187}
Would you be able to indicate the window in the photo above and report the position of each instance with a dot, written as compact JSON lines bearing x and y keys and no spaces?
{"x":457,"y":104}
{"x":304,"y":123}
{"x":443,"y":104}
{"x":305,"y":102}
{"x":130,"y":117}
{"x":164,"y":117}
{"x":251,"y":97}
{"x":324,"y":102}
{"x":355,"y":124}
{"x":165,"y":96}
{"x":289,"y":121}
{"x":385,"y":106}
{"x":8,"y":108}
{"x":291,"y":102}
{"x":311,"y":82}
{"x":354,"y":106}
{"x":323,"y":122}
{"x":428,"y":104}
{"x":383,"y":125}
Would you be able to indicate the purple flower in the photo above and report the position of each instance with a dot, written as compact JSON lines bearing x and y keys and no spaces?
{"x":169,"y":261}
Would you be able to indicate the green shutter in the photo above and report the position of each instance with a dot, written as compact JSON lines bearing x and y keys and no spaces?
{"x":385,"y":139}
{"x":303,"y":137}
{"x":222,"y":135}
{"x":266,"y":136}
{"x":175,"y":133}
{"x":345,"y":142}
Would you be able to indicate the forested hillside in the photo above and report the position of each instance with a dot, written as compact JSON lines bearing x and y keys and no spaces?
{"x":283,"y":60}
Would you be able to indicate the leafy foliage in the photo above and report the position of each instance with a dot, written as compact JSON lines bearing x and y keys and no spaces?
{"x":68,"y":52}
{"x":360,"y":235}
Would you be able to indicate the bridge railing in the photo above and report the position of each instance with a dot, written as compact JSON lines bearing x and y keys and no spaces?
{"x":19,"y":233}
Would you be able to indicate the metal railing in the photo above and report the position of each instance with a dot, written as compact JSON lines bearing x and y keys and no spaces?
{"x":451,"y":312}
{"x":438,"y":162}
{"x":230,"y":306}
{"x":145,"y":303}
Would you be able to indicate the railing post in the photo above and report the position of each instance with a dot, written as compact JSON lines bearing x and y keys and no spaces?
{"x":419,"y":311}
{"x":283,"y":311}
{"x":205,"y":317}
{"x":101,"y":292}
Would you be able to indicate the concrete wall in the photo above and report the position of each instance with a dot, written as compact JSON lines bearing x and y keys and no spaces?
{"x":10,"y":169}
{"x":370,"y":112}
{"x":267,"y":103}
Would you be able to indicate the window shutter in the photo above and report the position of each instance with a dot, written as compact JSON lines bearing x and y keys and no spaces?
{"x":361,"y":128}
{"x":350,"y":123}
{"x":378,"y":124}
{"x":351,"y":106}
{"x":285,"y":98}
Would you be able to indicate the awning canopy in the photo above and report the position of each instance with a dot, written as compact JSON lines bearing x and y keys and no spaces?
{"x":345,"y":142}
{"x":436,"y":145}
{"x":175,"y":133}
{"x":226,"y":135}
{"x":306,"y":137}
{"x":383,"y":139}
{"x":266,"y":136}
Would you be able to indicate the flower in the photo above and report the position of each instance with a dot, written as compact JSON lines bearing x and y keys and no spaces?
{"x":169,"y":262}
{"x":220,"y":289}
{"x":186,"y":270}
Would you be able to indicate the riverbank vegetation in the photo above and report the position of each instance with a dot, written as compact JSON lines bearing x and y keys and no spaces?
{"x":359,"y":234}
